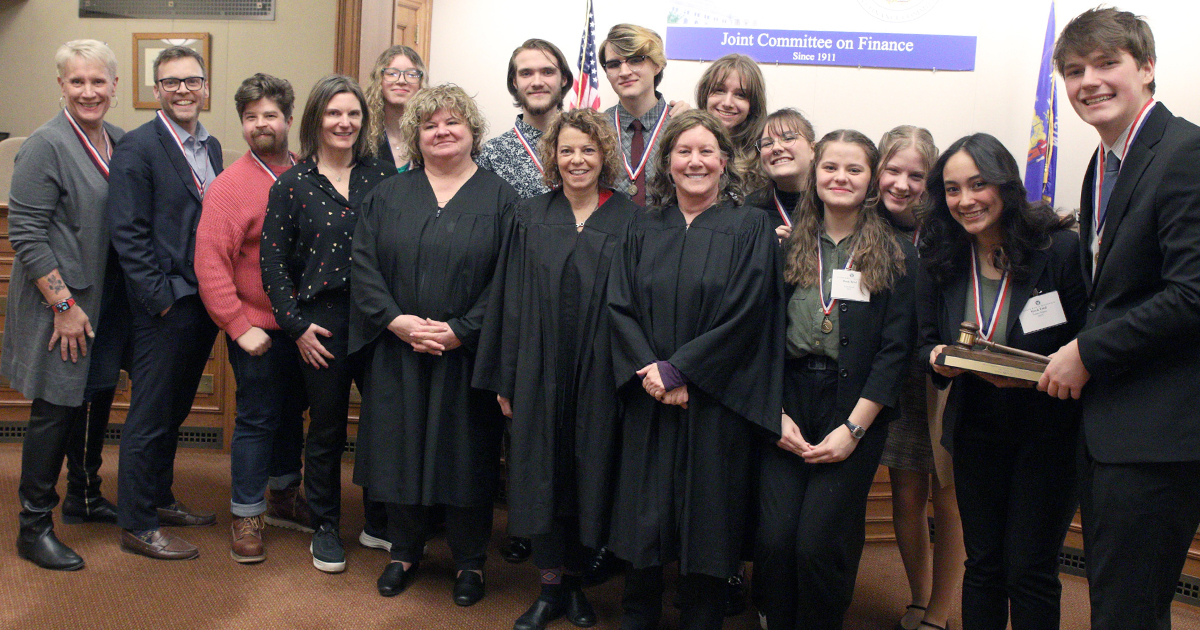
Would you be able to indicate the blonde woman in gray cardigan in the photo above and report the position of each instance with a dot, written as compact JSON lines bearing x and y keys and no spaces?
{"x":56,"y":225}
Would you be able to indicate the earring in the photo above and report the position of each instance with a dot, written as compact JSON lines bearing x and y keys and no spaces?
{"x":61,"y":102}
{"x":115,"y":101}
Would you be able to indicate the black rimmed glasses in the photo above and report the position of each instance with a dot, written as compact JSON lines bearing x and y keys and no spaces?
{"x":393,"y":75}
{"x":768,"y":143}
{"x":634,"y":62}
{"x":171,"y":84}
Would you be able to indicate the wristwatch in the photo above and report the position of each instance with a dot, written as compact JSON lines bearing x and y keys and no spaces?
{"x":63,"y":306}
{"x":855,"y":431}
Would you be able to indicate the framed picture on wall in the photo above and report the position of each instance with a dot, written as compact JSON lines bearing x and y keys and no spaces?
{"x":146,"y":47}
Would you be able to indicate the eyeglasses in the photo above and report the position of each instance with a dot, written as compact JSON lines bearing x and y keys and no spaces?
{"x":768,"y":143}
{"x":634,"y":62}
{"x":171,"y":84}
{"x":393,"y":75}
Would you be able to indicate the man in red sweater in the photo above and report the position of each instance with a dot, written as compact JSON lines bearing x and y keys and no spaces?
{"x":268,"y":434}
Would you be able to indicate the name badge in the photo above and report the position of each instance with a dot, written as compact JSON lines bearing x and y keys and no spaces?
{"x":1042,"y":312}
{"x":847,"y":285}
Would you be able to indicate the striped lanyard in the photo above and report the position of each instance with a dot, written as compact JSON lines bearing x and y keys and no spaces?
{"x":100,"y":160}
{"x":179,"y":143}
{"x":633,"y":174}
{"x":529,"y":149}
{"x":787,"y":220}
{"x":267,"y":169}
{"x":827,"y":306}
{"x":1098,"y":213}
{"x":987,"y":328}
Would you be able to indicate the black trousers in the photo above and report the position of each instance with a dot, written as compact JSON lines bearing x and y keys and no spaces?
{"x":560,"y":547}
{"x":811,"y":525}
{"x":169,"y":354}
{"x":329,"y":407}
{"x":468,"y":530}
{"x":701,"y":597}
{"x":1138,"y":522}
{"x":1016,"y":499}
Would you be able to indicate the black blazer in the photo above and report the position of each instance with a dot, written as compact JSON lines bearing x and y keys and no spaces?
{"x":940,"y":310}
{"x":876,"y":345}
{"x":153,"y":209}
{"x":1141,"y":340}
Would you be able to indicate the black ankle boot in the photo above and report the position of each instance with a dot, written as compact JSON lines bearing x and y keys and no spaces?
{"x":76,"y":509}
{"x":37,"y":543}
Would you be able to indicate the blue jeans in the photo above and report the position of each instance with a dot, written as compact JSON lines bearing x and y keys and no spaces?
{"x":268,"y":435}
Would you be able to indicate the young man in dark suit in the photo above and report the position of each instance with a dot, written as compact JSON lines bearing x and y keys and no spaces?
{"x":1137,"y":360}
{"x":159,"y":174}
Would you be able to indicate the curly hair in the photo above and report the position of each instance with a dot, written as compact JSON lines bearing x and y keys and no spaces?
{"x":662,"y":187}
{"x":374,"y":91}
{"x":877,"y":254}
{"x":424,"y":104}
{"x":1026,"y":227}
{"x":598,"y":127}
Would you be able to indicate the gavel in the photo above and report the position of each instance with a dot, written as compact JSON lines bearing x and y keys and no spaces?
{"x":968,"y":337}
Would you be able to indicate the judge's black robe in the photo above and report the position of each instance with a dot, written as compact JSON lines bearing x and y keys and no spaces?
{"x":425,"y":435}
{"x":708,"y":299}
{"x":546,"y":346}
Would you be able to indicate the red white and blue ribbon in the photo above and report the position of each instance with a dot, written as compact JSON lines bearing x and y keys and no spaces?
{"x":987,"y":328}
{"x":179,"y":143}
{"x":787,"y":220}
{"x":827,"y":307}
{"x":529,"y":149}
{"x":99,"y":159}
{"x":1098,"y":212}
{"x":633,"y":173}
{"x":267,"y":169}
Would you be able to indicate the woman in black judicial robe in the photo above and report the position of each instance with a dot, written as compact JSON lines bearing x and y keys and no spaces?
{"x":696,"y":317}
{"x":546,"y":351}
{"x":424,"y":253}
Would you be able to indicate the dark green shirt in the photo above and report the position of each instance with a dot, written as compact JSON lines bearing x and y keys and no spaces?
{"x":804,"y":314}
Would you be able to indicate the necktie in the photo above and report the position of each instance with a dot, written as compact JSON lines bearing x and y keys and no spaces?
{"x":637,"y":148}
{"x":1112,"y":166}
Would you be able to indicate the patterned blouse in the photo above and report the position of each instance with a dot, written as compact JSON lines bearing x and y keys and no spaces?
{"x":505,"y":156}
{"x":306,"y":236}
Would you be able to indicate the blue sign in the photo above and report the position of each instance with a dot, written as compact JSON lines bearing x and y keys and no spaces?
{"x":824,"y":48}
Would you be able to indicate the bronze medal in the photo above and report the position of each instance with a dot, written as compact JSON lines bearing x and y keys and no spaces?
{"x":632,"y":189}
{"x":826,"y":325}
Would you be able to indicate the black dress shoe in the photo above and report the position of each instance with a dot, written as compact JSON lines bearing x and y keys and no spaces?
{"x":735,"y":596}
{"x":48,"y":552}
{"x":579,"y":609}
{"x":516,"y":550}
{"x":181,"y":515}
{"x":541,"y":613}
{"x":77,"y":510}
{"x":468,"y":588}
{"x":395,"y":579}
{"x":601,"y":567}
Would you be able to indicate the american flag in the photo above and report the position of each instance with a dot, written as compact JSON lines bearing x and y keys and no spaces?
{"x":586,"y":91}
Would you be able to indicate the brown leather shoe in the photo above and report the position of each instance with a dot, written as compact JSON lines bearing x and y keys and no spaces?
{"x":159,"y":545}
{"x":181,"y":515}
{"x":246,"y":542}
{"x":287,"y":508}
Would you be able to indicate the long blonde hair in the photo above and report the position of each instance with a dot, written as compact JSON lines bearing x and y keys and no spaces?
{"x":374,"y":91}
{"x":877,"y":254}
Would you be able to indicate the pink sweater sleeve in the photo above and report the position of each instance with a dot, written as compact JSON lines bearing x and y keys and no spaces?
{"x":218,"y":239}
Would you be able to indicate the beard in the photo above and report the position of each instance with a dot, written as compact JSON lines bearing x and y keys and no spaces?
{"x":555,"y":103}
{"x":268,"y":143}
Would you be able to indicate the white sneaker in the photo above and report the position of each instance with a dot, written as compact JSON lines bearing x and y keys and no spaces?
{"x":372,"y":542}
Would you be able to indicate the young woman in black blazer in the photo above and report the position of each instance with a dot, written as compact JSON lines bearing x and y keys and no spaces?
{"x":848,"y":353}
{"x":984,"y":245}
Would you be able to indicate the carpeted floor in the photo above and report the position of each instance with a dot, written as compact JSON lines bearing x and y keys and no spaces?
{"x":122,"y":591}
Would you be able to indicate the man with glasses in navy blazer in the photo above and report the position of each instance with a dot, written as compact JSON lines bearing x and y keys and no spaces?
{"x":159,"y":174}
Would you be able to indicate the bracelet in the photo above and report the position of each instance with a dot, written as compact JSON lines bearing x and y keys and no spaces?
{"x":63,"y":306}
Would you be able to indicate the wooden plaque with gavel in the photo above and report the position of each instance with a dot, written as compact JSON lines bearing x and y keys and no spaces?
{"x":993,"y":358}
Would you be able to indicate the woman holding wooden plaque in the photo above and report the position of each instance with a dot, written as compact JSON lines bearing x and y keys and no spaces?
{"x":991,"y":258}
